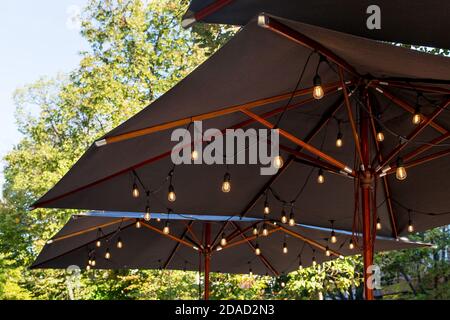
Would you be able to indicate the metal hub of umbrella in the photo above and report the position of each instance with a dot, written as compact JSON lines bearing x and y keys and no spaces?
{"x":363,"y":126}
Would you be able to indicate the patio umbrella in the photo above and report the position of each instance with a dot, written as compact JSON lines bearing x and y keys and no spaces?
{"x":128,"y":241}
{"x":382,"y":114}
{"x":410,"y":22}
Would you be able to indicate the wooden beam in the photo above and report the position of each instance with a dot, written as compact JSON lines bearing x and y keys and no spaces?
{"x":299,"y":38}
{"x":207,"y":115}
{"x":186,"y":243}
{"x":301,"y":143}
{"x":177,"y":245}
{"x":414,"y":87}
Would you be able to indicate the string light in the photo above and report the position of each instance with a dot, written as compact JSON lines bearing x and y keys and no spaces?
{"x":257,"y":250}
{"x":93,"y":262}
{"x":194,"y":155}
{"x":410,"y":224}
{"x":88,"y":267}
{"x":223,"y":241}
{"x":147,"y":215}
{"x":138,"y":224}
{"x":250,"y":271}
{"x":291,"y":218}
{"x":333,"y":238}
{"x":98,"y":243}
{"x":314,"y":262}
{"x":278,"y":162}
{"x":166,"y":229}
{"x":266,"y":205}
{"x":172,"y":197}
{"x":219,"y":248}
{"x":283,"y":284}
{"x":135,"y":191}
{"x":400,"y":172}
{"x":351,"y":246}
{"x":285,"y":248}
{"x":107,"y":254}
{"x":320,"y":177}
{"x":300,"y":265}
{"x":327,"y":252}
{"x":417,"y":116}
{"x":379,"y":224}
{"x":119,"y":243}
{"x":226,"y":185}
{"x":318,"y":91}
{"x":380,"y":134}
{"x":339,"y":140}
{"x":255,"y":231}
{"x":265,"y":231}
{"x":284,"y":219}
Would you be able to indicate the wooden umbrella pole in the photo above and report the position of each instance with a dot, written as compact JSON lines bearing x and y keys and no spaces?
{"x":207,"y":254}
{"x":366,"y":185}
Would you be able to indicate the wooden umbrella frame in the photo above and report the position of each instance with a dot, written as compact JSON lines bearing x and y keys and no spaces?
{"x":361,"y":135}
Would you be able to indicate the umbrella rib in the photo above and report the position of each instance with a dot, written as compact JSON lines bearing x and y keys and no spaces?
{"x":205,"y":12}
{"x":79,"y":247}
{"x":207,"y":115}
{"x":350,"y":117}
{"x":414,"y":134}
{"x":392,"y":216}
{"x":322,"y":122}
{"x":301,"y":143}
{"x":331,"y":88}
{"x":184,"y":242}
{"x":308,"y":240}
{"x":424,"y":88}
{"x":81,"y":232}
{"x":276,"y":26}
{"x":196,"y":239}
{"x":177,"y":245}
{"x":422,"y":160}
{"x":264,"y":260}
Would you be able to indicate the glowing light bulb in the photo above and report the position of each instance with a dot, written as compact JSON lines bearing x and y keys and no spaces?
{"x":250,"y":272}
{"x":314,"y":262}
{"x":93,"y":262}
{"x":333,"y":238}
{"x":194,"y":155}
{"x":351,"y":246}
{"x":171,"y":196}
{"x":291,"y":220}
{"x":265,"y":231}
{"x":119,"y":243}
{"x":257,"y":250}
{"x":417,"y":117}
{"x":158,"y":219}
{"x":380,"y":136}
{"x":88,"y":267}
{"x":285,"y":248}
{"x":283,"y":284}
{"x":320,"y":177}
{"x":327,"y":252}
{"x":379,"y":224}
{"x":266,"y":208}
{"x":410,"y":227}
{"x":147,"y":215}
{"x":284,"y":219}
{"x":255,"y":231}
{"x":98,"y":244}
{"x":339,"y":140}
{"x":226,"y":185}
{"x":135,"y":192}
{"x":223,"y":241}
{"x":318,"y":92}
{"x":278,"y":162}
{"x":400,"y":172}
{"x":89,"y":262}
{"x":138,"y":224}
{"x":166,"y":229}
{"x":107,"y":254}
{"x":219,"y":248}
{"x":300,"y":265}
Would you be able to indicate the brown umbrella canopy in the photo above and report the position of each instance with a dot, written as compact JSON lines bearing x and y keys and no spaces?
{"x":149,"y":248}
{"x":264,"y":61}
{"x":409,"y":22}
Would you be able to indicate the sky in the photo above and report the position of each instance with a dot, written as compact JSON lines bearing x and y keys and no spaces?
{"x":38,"y":38}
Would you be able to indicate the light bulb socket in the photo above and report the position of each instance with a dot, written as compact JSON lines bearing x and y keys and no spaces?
{"x":317,"y":81}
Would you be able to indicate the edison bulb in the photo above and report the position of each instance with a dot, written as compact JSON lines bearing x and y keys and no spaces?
{"x":226,"y":186}
{"x":318,"y":92}
{"x":266,"y":208}
{"x":291,"y":221}
{"x":135,"y":191}
{"x":351,"y":246}
{"x":285,"y":248}
{"x":119,"y":243}
{"x":410,"y":227}
{"x":255,"y":231}
{"x":400,"y":173}
{"x":417,"y":118}
{"x":265,"y":231}
{"x":284,"y":218}
{"x":194,"y":155}
{"x":93,"y":262}
{"x":166,"y":229}
{"x":380,"y":136}
{"x":138,"y":224}
{"x":88,"y":267}
{"x":223,"y":241}
{"x":107,"y":255}
{"x":278,"y":162}
{"x":333,"y":238}
{"x":98,"y":244}
{"x":320,"y":177}
{"x":147,"y":215}
{"x":171,"y":195}
{"x":378,"y":224}
{"x":339,"y":141}
{"x":257,"y":250}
